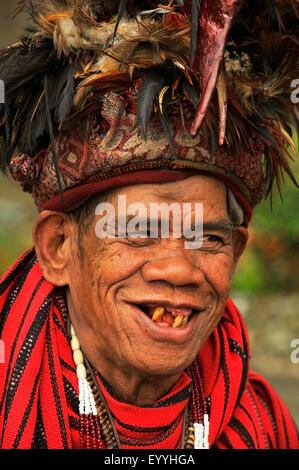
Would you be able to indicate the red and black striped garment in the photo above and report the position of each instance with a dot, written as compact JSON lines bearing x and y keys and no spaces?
{"x":39,"y":389}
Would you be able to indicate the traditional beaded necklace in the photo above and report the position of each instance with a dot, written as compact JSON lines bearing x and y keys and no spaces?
{"x":97,"y":428}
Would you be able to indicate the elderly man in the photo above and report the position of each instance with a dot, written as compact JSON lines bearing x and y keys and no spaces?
{"x":115,"y":338}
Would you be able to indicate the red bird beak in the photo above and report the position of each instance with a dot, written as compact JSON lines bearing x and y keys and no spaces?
{"x":216,"y":18}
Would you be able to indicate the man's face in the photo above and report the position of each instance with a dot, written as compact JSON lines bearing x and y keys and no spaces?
{"x":118,"y":281}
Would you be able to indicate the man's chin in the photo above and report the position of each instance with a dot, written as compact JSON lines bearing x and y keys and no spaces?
{"x":163,"y":368}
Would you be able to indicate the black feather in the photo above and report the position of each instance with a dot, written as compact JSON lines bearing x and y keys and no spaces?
{"x":212,"y":131}
{"x":267,"y":135}
{"x":8,"y":121}
{"x":213,"y":140}
{"x":192,"y":92}
{"x":287,"y":128}
{"x":167,"y":130}
{"x":195,"y":12}
{"x":149,"y":91}
{"x":274,"y":16}
{"x":65,"y":92}
{"x":269,"y":176}
{"x":7,"y":112}
{"x":31,"y":122}
{"x":121,"y":11}
{"x":51,"y":134}
{"x":166,"y":122}
{"x":22,"y":68}
{"x":33,"y":119}
{"x":38,"y":125}
{"x":26,"y":63}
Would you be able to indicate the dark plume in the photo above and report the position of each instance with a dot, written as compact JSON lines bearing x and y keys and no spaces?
{"x":149,"y":92}
{"x":195,"y":12}
{"x":121,"y":11}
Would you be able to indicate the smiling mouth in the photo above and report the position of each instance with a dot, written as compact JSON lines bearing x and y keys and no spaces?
{"x":166,"y":316}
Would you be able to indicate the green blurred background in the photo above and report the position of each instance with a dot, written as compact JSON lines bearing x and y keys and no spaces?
{"x":266,"y":282}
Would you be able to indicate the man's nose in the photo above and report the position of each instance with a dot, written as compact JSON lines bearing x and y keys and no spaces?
{"x":176,"y":270}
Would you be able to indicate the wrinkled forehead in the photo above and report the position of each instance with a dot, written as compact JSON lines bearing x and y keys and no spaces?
{"x":199,"y":188}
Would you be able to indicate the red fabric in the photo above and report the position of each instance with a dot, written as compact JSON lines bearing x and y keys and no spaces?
{"x":138,"y":426}
{"x":76,"y":195}
{"x":39,"y":387}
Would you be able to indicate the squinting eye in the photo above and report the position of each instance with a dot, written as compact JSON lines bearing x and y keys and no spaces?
{"x":212,"y":238}
{"x":211,"y":241}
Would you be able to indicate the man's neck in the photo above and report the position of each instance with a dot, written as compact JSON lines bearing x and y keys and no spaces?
{"x":135,"y":389}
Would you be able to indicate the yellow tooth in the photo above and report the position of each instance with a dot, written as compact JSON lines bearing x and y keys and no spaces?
{"x":173,"y":314}
{"x":178,"y":321}
{"x":185,"y":321}
{"x":158,"y":313}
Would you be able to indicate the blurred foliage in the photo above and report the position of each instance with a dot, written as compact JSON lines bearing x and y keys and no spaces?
{"x":17,"y":214}
{"x":271,"y":260}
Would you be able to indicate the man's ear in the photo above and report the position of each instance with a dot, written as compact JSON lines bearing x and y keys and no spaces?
{"x":52,"y":236}
{"x":240,"y":238}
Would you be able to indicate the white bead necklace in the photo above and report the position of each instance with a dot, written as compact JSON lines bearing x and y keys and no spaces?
{"x":87,"y":403}
{"x":201,"y":432}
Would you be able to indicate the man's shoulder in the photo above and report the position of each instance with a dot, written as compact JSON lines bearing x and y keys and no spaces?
{"x":276,"y":423}
{"x":16,"y":268}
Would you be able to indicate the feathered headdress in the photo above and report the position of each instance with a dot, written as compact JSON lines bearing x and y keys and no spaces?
{"x":100,"y":88}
